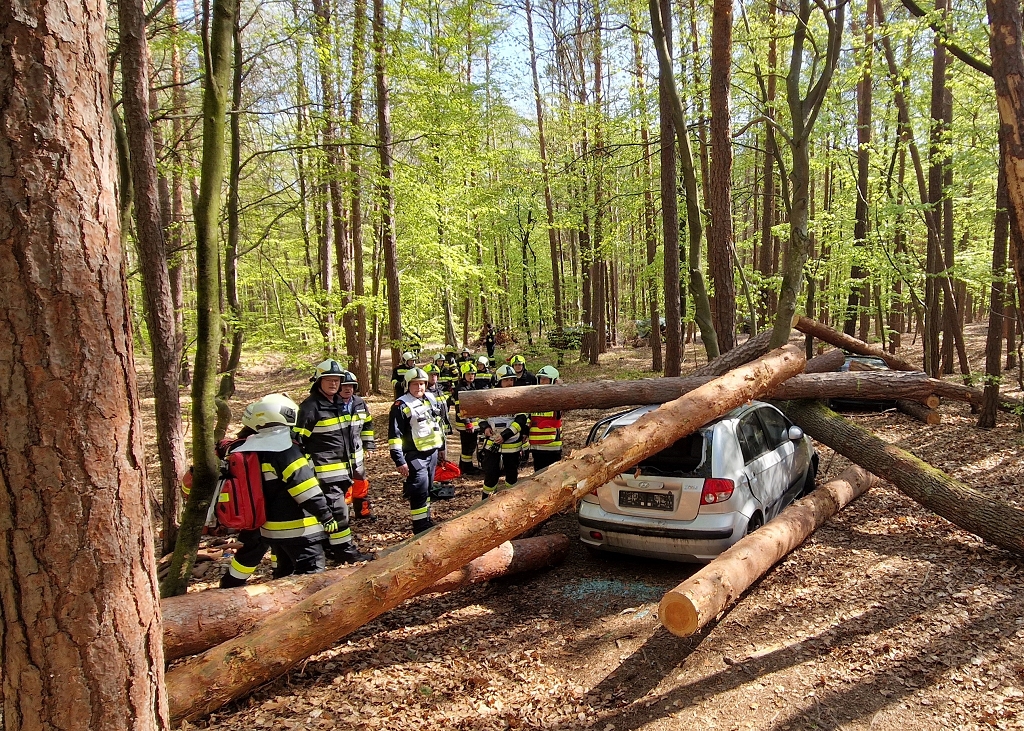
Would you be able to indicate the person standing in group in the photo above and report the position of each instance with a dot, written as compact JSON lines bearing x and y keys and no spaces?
{"x":546,"y":427}
{"x":298,"y":517}
{"x":416,"y":441}
{"x":333,"y":427}
{"x":399,"y":371}
{"x":504,"y":437}
{"x":523,"y":376}
{"x":484,"y":376}
{"x":465,"y":426}
{"x":489,"y":341}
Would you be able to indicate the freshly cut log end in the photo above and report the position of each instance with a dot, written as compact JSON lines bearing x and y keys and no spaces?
{"x":699,"y":599}
{"x":919,"y":411}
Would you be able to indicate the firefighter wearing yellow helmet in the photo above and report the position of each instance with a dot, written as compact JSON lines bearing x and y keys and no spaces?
{"x":504,"y":437}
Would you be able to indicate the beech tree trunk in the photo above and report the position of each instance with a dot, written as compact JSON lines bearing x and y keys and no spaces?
{"x":698,"y":600}
{"x":81,"y":624}
{"x":198,"y":621}
{"x":203,"y":684}
{"x":610,"y":394}
{"x":990,"y":519}
{"x":850,"y":343}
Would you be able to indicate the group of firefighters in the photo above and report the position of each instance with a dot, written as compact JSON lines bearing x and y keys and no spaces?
{"x":313,"y":454}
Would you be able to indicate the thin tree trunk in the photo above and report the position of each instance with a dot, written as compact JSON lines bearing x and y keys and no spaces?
{"x":359,"y":23}
{"x":858,"y":273}
{"x":81,"y":624}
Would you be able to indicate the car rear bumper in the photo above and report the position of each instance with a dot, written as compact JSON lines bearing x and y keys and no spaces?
{"x":700,"y":541}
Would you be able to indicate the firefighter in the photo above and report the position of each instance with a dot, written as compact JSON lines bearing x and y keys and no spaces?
{"x":523,"y":376}
{"x":416,"y":441}
{"x":298,"y":517}
{"x":398,"y":374}
{"x":449,"y":370}
{"x":466,"y":427}
{"x":465,"y":356}
{"x":489,"y":340}
{"x":484,"y":376}
{"x":546,"y":427}
{"x":333,"y":427}
{"x":504,"y":437}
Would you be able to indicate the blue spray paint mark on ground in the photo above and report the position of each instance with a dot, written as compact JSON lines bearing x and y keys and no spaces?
{"x":588,"y":588}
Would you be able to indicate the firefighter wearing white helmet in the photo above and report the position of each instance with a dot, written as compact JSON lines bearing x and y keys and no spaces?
{"x":504,"y":437}
{"x":465,"y":426}
{"x":484,"y":375}
{"x":398,"y":374}
{"x":298,"y":517}
{"x":333,"y":428}
{"x":546,"y":427}
{"x":416,"y":441}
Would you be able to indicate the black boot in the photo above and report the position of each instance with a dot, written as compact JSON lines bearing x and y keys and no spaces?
{"x":227,"y":581}
{"x":418,"y":526}
{"x":348,"y":553}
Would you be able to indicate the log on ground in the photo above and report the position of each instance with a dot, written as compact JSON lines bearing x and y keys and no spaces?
{"x":198,"y":621}
{"x":230,"y":670}
{"x":699,"y":599}
{"x":612,"y":394}
{"x":826,"y":362}
{"x":919,"y":411}
{"x":990,"y":519}
{"x":849,"y":343}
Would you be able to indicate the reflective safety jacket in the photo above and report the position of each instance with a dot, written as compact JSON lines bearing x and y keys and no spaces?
{"x":398,"y":378}
{"x":546,"y":431}
{"x":295,"y":504}
{"x":514,"y":430}
{"x":463,"y":423}
{"x":484,"y":379}
{"x":449,"y":375}
{"x":414,"y":426}
{"x":333,"y":435}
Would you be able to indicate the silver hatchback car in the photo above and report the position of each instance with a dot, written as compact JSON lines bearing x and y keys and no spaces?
{"x":699,"y":496}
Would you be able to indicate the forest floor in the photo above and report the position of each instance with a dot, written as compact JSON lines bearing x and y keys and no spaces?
{"x":887,"y":618}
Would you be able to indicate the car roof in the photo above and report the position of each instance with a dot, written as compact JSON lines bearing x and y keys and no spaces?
{"x":631,"y":416}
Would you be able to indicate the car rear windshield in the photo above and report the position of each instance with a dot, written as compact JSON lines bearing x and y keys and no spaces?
{"x":688,"y":457}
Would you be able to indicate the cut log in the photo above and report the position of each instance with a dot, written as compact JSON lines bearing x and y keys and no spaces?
{"x":826,"y":362}
{"x":699,"y":599}
{"x":612,"y":394}
{"x":850,"y":344}
{"x":750,"y":350}
{"x":196,"y":622}
{"x":230,"y":670}
{"x":919,"y":411}
{"x":993,"y":520}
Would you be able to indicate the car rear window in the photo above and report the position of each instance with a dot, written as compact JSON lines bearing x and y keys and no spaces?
{"x":688,"y":457}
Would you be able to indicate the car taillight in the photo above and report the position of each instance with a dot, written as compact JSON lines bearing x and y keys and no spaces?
{"x":716,"y":490}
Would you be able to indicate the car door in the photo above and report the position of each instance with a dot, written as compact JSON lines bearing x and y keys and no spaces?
{"x":776,"y":432}
{"x":758,"y":460}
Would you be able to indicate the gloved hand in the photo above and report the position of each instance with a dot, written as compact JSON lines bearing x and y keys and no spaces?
{"x":331,"y":526}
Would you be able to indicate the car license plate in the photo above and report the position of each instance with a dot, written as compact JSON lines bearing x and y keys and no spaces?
{"x":646,"y":500}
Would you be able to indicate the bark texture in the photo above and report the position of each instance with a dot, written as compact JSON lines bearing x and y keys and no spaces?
{"x":202,"y":685}
{"x":990,"y":519}
{"x":826,"y":362}
{"x":78,"y":594}
{"x":695,"y":602}
{"x":849,"y":343}
{"x":198,"y":621}
{"x":922,"y":412}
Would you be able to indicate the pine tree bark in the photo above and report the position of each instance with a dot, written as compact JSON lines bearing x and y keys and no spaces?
{"x":990,"y":519}
{"x":850,"y":344}
{"x":202,"y":685}
{"x":81,"y":624}
{"x":359,"y":25}
{"x":994,"y":339}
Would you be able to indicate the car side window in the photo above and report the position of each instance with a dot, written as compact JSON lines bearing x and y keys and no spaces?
{"x":751,"y":437}
{"x":776,"y":427}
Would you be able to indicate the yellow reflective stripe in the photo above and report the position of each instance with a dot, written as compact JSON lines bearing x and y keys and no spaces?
{"x":268,"y":469}
{"x":302,"y":487}
{"x":290,"y":469}
{"x":368,"y":433}
{"x":224,"y":498}
{"x":302,"y":432}
{"x":333,"y":467}
{"x":306,"y":522}
{"x":490,"y":490}
{"x":342,"y":536}
{"x":241,"y":568}
{"x":417,"y":512}
{"x":396,"y":442}
{"x":329,"y":422}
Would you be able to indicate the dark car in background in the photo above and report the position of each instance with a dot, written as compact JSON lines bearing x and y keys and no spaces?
{"x":862,"y":363}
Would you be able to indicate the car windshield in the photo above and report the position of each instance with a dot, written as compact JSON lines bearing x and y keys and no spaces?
{"x":688,"y":457}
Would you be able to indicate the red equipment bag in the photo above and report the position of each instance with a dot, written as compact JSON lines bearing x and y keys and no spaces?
{"x":240,"y":504}
{"x":446,"y":471}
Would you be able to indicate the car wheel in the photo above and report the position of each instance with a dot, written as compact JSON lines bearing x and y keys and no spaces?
{"x":755,"y":522}
{"x":810,"y":478}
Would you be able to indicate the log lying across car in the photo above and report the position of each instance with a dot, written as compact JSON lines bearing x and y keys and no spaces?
{"x":196,"y":622}
{"x":230,"y":670}
{"x":993,"y":520}
{"x":916,"y":386}
{"x":699,"y":599}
